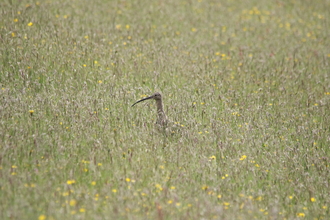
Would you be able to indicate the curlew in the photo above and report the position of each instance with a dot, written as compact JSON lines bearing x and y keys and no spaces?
{"x":161,"y":116}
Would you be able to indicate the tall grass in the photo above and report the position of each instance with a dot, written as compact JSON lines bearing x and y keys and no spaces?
{"x":247,"y":81}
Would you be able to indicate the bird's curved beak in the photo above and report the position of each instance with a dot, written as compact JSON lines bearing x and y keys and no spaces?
{"x":150,"y":97}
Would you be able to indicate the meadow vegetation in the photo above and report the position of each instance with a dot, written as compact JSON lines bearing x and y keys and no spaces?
{"x":247,"y":82}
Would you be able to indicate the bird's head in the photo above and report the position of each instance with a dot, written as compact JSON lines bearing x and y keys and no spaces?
{"x":156,"y":96}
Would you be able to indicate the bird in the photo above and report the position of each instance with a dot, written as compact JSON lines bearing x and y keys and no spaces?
{"x":161,"y":116}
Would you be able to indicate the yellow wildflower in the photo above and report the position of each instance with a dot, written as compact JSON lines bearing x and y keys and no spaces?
{"x":242,"y":157}
{"x":300,"y":214}
{"x":73,"y":202}
{"x":42,"y":217}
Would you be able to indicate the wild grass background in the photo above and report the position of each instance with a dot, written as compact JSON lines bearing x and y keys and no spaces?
{"x":248,"y":82}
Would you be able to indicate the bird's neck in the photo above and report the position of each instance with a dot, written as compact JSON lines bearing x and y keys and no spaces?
{"x":159,"y":106}
{"x":160,"y":111}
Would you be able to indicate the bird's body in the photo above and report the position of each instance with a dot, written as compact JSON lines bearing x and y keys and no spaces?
{"x":161,"y":116}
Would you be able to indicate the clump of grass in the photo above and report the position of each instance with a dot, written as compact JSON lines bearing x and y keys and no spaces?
{"x":247,"y":82}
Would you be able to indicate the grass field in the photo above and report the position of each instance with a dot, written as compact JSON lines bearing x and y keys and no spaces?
{"x":248,"y":82}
